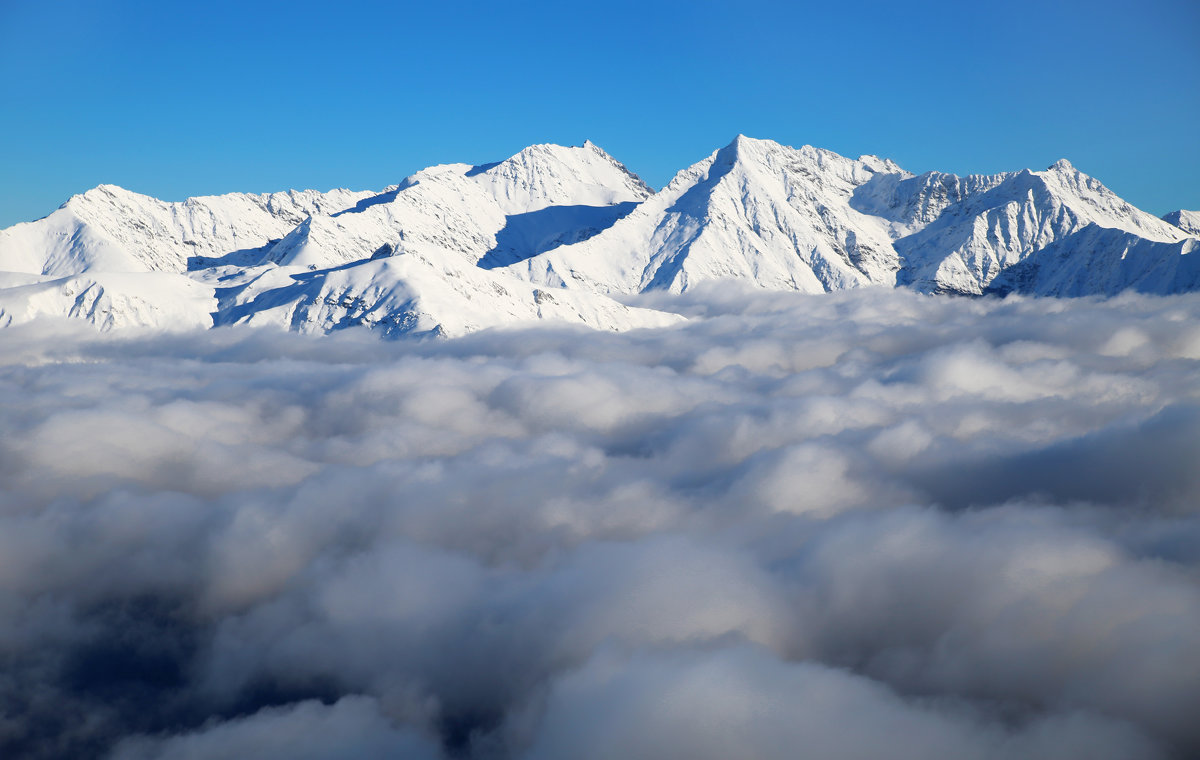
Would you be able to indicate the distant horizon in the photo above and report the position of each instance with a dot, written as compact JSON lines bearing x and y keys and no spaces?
{"x":231,"y":97}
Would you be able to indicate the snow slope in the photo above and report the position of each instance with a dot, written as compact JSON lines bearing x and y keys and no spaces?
{"x":999,"y":221}
{"x":463,"y":211}
{"x":108,"y":299}
{"x":401,"y":261}
{"x":554,"y":233}
{"x":1116,"y":261}
{"x":412,"y":294}
{"x":810,"y":220}
{"x":754,"y":210}
{"x":114,"y":230}
{"x":1188,"y":221}
{"x":409,"y":260}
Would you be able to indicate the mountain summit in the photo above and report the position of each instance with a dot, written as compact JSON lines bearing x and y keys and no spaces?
{"x":1188,"y":221}
{"x":556,"y":232}
{"x":754,"y":210}
{"x":810,"y":220}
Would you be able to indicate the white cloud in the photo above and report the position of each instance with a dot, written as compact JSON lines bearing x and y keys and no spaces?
{"x":792,"y":521}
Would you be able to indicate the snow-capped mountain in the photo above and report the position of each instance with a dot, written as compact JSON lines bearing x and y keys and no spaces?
{"x":998,"y":221}
{"x":810,"y":220}
{"x":754,"y":210}
{"x":556,"y":232}
{"x":408,"y":260}
{"x":1115,"y":259}
{"x":109,"y":299}
{"x":461,"y":211}
{"x":110,"y":229}
{"x":1188,"y":221}
{"x":405,"y":260}
{"x":413,"y":295}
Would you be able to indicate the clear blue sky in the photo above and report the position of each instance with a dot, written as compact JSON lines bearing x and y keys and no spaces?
{"x":176,"y":99}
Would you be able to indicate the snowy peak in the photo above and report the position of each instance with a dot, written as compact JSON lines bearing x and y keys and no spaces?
{"x":1188,"y":221}
{"x":958,"y":234}
{"x":1092,"y":201}
{"x":744,"y":149}
{"x":494,"y":214}
{"x":1102,"y":261}
{"x":755,"y":210}
{"x":555,"y":175}
{"x":809,"y":219}
{"x":552,"y":231}
{"x":103,"y":193}
{"x":112,"y":229}
{"x":438,"y":212}
{"x":817,"y":165}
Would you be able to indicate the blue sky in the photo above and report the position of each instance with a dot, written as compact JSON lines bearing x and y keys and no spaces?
{"x":187,"y":99}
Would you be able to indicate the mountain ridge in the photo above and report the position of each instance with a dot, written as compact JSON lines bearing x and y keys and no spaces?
{"x":559,"y":232}
{"x":1188,"y":221}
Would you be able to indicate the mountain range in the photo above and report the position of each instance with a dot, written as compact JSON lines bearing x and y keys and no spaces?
{"x":570,"y":234}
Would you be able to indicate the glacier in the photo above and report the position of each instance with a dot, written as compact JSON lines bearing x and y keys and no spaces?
{"x":569,"y":234}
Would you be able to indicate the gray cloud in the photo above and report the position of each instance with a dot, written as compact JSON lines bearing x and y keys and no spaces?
{"x":855,"y":523}
{"x":739,"y":702}
{"x":352,"y":727}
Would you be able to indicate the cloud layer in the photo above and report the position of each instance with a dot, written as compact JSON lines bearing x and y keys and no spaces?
{"x":857,"y":524}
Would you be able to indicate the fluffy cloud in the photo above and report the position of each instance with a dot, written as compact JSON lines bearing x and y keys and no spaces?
{"x":352,"y":727}
{"x":856,"y":523}
{"x":738,"y":702}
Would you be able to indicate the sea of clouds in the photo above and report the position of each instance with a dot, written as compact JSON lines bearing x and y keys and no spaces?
{"x":858,"y":525}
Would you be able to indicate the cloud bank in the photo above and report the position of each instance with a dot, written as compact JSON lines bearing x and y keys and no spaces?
{"x":845,"y":526}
